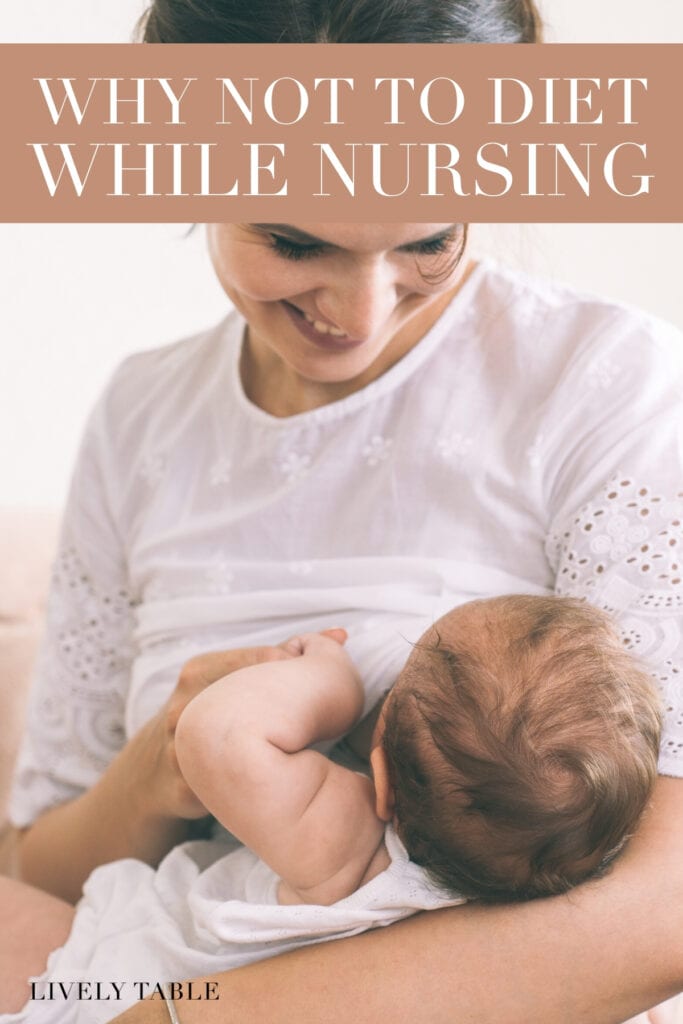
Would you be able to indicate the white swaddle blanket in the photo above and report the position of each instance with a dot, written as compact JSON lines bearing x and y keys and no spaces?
{"x":197,"y":915}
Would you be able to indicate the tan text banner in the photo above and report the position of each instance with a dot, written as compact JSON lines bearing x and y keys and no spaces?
{"x":341,"y":133}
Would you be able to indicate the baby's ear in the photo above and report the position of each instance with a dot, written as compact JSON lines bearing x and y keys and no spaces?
{"x":384,"y":791}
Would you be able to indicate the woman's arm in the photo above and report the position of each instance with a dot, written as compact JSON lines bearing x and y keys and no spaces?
{"x":141,"y":806}
{"x":598,"y":955}
{"x":114,"y":819}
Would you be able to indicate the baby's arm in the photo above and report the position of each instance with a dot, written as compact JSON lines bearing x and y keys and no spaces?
{"x":241,"y":745}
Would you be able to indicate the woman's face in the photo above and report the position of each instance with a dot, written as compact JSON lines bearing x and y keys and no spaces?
{"x":335,"y":304}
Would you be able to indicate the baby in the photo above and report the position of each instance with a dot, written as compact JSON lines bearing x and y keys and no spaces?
{"x":513,"y":757}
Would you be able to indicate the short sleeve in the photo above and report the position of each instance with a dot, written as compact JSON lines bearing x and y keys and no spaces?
{"x":616,"y":537}
{"x":75,"y":718}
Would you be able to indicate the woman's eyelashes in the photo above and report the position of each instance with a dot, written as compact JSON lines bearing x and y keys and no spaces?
{"x":291,"y":250}
{"x":294,"y":250}
{"x":432,"y":246}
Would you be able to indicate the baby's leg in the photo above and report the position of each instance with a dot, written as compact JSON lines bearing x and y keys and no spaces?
{"x":36,"y":923}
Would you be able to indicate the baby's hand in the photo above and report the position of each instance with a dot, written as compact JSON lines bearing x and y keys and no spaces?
{"x":326,"y":642}
{"x":328,"y":665}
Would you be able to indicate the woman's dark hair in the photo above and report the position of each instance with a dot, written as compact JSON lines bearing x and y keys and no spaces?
{"x":341,"y":21}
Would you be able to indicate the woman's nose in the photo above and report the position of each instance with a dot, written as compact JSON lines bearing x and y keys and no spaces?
{"x":360,"y":299}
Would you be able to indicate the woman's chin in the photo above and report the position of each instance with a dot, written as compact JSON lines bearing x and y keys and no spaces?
{"x":344,"y":369}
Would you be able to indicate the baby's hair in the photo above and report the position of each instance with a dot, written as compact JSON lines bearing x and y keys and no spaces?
{"x":522,"y":758}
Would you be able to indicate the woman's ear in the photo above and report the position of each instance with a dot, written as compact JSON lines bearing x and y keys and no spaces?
{"x":384,"y":791}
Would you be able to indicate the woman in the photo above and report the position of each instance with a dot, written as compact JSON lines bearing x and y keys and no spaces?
{"x":385,"y":426}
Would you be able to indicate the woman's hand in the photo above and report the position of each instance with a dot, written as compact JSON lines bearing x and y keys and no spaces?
{"x":141,"y":806}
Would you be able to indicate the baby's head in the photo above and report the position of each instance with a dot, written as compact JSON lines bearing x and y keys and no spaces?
{"x":520,"y":744}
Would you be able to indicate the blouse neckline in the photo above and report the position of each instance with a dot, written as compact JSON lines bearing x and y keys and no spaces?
{"x":392,"y":378}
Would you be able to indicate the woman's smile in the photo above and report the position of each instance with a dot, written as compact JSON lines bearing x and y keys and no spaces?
{"x":322,"y":334}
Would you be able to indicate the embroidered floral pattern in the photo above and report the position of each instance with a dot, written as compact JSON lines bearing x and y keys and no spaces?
{"x":89,"y":644}
{"x":295,"y":466}
{"x":76,"y":714}
{"x":220,"y":473}
{"x":618,"y":539}
{"x":377,"y":449}
{"x":622,"y":552}
{"x":220,"y":576}
{"x":455,"y":447}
